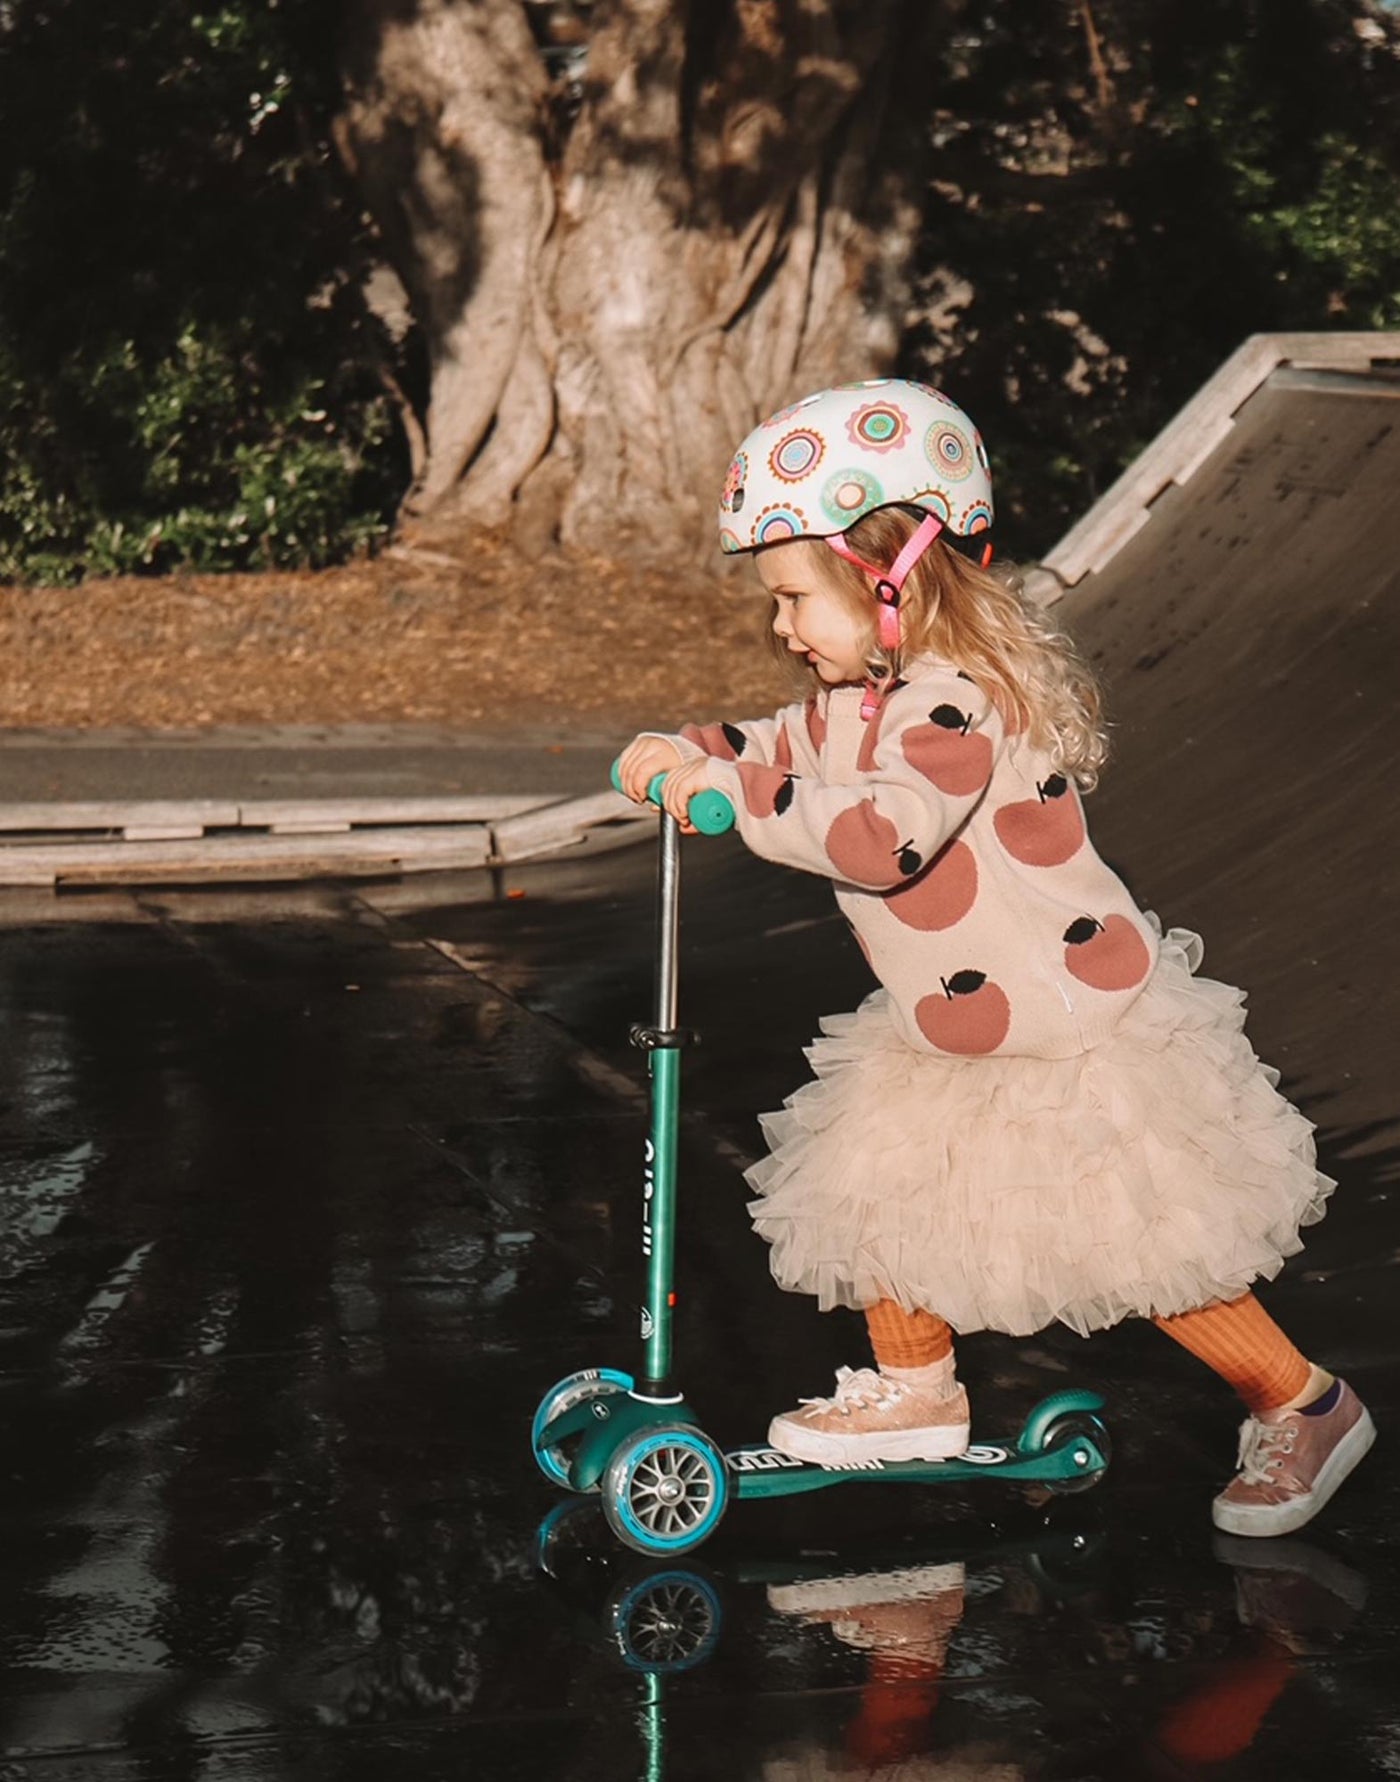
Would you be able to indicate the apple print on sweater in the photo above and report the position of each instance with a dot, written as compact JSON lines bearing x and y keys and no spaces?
{"x":816,"y":723}
{"x":865,"y":848}
{"x":726,"y":742}
{"x":1109,"y":955}
{"x":946,"y":751}
{"x":942,"y":894}
{"x":767,"y":790}
{"x":782,"y":749}
{"x":970,"y":1015}
{"x":1045,"y":830}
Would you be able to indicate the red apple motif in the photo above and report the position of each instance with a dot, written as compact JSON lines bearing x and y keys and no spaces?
{"x":865,"y":848}
{"x":816,"y":723}
{"x":767,"y":790}
{"x":944,"y":752}
{"x":1045,"y":830}
{"x":1109,"y":955}
{"x":970,"y":1015}
{"x":726,"y":742}
{"x":942,"y":894}
{"x":782,"y":749}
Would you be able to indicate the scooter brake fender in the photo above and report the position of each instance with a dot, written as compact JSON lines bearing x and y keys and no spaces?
{"x":610,"y":1422}
{"x":1059,"y":1404}
{"x":569,"y":1423}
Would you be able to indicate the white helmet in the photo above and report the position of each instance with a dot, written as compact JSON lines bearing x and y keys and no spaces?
{"x":812,"y":470}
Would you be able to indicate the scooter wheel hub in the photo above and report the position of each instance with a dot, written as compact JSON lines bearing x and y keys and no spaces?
{"x":665,"y":1489}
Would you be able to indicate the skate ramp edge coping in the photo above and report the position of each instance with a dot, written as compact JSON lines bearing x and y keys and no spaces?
{"x":1368,"y":361}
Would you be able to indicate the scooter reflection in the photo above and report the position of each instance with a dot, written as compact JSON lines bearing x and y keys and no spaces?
{"x":900,"y":1611}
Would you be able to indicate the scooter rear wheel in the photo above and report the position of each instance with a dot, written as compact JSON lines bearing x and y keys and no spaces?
{"x":664,"y":1490}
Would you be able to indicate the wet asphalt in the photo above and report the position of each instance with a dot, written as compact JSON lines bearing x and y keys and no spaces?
{"x":308,"y":1197}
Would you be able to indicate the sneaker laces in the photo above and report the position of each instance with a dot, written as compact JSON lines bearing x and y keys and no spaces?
{"x":857,"y":1388}
{"x":1262,"y":1449}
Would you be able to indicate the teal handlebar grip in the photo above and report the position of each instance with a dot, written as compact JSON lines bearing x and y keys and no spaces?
{"x":710,"y":811}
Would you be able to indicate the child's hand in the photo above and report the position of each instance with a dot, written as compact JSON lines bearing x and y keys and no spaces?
{"x":682,"y":783}
{"x":641,"y":761}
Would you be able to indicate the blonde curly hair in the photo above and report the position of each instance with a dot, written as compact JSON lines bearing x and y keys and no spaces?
{"x":979,"y":620}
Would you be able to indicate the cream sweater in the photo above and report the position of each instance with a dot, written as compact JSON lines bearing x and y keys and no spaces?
{"x":960,"y":858}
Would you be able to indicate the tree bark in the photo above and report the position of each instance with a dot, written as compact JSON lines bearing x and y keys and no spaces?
{"x":728,"y":226}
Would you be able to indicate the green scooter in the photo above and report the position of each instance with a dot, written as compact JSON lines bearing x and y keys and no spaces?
{"x":665,"y":1484}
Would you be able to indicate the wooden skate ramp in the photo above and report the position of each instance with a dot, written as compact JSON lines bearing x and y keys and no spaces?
{"x":1238,"y":589}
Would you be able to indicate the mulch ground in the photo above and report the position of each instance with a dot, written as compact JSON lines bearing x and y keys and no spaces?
{"x":415,"y":638}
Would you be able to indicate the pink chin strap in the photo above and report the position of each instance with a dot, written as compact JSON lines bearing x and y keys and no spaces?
{"x":889,"y":584}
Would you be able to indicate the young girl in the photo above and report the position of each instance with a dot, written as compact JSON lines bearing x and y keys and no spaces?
{"x":1042,"y":1114}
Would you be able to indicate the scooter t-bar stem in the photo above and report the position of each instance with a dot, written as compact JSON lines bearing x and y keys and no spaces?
{"x":668,"y":923}
{"x":664,"y":1068}
{"x":711,"y":813}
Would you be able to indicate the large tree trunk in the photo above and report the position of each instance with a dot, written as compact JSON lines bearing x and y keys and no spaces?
{"x":727,"y":226}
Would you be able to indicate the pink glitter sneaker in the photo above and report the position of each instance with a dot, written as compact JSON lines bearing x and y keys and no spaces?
{"x":873,"y":1417}
{"x":1291,"y":1462}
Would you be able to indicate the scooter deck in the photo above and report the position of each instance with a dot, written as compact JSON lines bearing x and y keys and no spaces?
{"x":765,"y":1472}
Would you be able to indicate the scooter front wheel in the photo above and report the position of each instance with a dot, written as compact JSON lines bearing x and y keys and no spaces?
{"x":667,"y":1622}
{"x":589,"y":1382}
{"x":664,"y":1490}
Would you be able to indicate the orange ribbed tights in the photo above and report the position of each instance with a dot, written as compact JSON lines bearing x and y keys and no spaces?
{"x":906,"y":1339}
{"x":1244,"y":1346}
{"x":1240,"y":1341}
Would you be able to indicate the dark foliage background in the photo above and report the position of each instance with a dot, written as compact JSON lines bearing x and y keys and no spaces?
{"x":1124,"y":195}
{"x":190,"y":374}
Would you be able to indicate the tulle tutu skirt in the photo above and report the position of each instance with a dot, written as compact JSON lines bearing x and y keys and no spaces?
{"x":1149,"y":1175}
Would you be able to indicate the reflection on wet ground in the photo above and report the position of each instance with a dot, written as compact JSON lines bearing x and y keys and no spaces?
{"x":302,"y":1213}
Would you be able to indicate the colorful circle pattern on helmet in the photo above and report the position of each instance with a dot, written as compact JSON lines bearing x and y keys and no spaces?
{"x":795,"y":455}
{"x":934,"y":500}
{"x":778,"y":522}
{"x":819,"y":465}
{"x":880,"y":426}
{"x":734,"y":484}
{"x":949,"y":451}
{"x":849,"y":494}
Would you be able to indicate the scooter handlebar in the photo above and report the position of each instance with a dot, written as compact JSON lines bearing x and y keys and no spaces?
{"x":710,"y":811}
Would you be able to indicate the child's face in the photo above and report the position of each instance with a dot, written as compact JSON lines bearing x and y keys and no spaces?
{"x":812,"y":617}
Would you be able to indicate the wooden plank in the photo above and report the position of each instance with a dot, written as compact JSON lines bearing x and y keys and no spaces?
{"x":1210,"y":440}
{"x":562,"y":825}
{"x":192,"y":816}
{"x":1353,"y":350}
{"x":250,"y":857}
{"x":146,"y":832}
{"x":307,"y":827}
{"x":595,"y":823}
{"x":39,"y":815}
{"x":273,"y":813}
